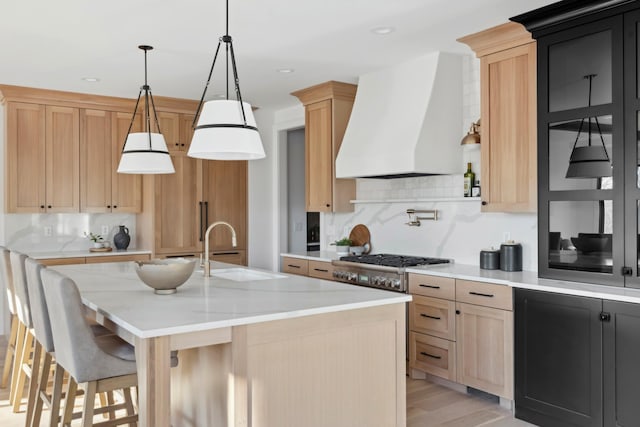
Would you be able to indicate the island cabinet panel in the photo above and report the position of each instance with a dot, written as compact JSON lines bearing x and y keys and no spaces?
{"x":508,"y":103}
{"x":62,"y":261}
{"x":295,"y":266}
{"x":25,"y":165}
{"x":335,"y":354}
{"x":178,"y":219}
{"x":95,"y":259}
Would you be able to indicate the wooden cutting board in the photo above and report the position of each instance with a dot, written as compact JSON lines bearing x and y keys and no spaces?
{"x":360,"y":235}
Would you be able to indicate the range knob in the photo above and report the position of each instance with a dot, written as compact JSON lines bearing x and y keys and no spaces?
{"x":396,"y":284}
{"x":376,"y":280}
{"x":353,"y":277}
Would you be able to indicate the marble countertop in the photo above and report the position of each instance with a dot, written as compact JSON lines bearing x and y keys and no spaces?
{"x":114,"y":289}
{"x":529,"y":280}
{"x":326,"y":256}
{"x":516,"y":279}
{"x":86,"y":253}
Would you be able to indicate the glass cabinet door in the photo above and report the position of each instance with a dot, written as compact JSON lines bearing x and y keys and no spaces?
{"x":581,"y":138}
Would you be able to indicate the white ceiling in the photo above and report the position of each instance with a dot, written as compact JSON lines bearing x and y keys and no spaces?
{"x":54,"y":44}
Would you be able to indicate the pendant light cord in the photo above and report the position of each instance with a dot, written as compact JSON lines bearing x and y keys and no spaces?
{"x":590,"y":78}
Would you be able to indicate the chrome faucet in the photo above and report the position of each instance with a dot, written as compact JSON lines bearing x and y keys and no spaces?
{"x":234,"y":243}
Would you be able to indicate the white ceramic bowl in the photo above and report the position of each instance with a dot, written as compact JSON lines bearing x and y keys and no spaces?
{"x":356,"y":250}
{"x":165,"y":275}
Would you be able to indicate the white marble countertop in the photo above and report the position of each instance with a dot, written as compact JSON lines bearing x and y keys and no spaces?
{"x":86,"y":253}
{"x":529,"y":280}
{"x":114,"y":290}
{"x":326,"y":256}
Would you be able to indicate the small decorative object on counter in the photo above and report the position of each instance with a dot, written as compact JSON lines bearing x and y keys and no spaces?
{"x":122,"y":238}
{"x":475,"y":190}
{"x":469,"y":180}
{"x":511,"y":256}
{"x":490,"y":259}
{"x":342,"y":245}
{"x":95,"y":238}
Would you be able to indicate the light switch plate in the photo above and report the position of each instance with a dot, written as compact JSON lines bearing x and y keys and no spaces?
{"x":48,"y":231}
{"x":105,"y":230}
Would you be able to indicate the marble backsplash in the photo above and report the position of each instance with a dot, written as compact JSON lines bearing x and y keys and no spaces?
{"x":460,"y":232}
{"x":28,"y":232}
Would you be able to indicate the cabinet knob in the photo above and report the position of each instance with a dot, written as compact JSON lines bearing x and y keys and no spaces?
{"x":484,"y":203}
{"x":48,"y":206}
{"x":457,"y":311}
{"x":115,"y":207}
{"x":108,"y":206}
{"x":328,"y":205}
{"x":41,"y":206}
{"x":182,"y":145}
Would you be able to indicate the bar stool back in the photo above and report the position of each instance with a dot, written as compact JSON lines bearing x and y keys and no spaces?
{"x":7,"y":279}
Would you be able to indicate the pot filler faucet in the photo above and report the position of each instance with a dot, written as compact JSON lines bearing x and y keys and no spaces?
{"x":234,"y":243}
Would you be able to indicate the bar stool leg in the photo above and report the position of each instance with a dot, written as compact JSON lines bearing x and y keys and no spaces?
{"x":22,"y":376}
{"x":69,"y":401}
{"x":129,"y":404}
{"x":17,"y":359}
{"x":89,"y":403}
{"x":11,"y":351}
{"x":56,"y":396}
{"x":33,"y":380}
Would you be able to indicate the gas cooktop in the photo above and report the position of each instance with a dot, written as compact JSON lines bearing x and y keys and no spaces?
{"x":389,"y":260}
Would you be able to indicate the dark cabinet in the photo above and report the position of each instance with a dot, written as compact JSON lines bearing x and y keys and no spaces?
{"x":576,"y":360}
{"x":588,"y":127}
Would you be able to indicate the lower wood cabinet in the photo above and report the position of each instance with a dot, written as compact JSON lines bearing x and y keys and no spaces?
{"x":304,"y":267}
{"x":230,"y":257}
{"x":320,"y":270}
{"x":95,"y":259}
{"x":462,"y":331}
{"x":295,"y":266}
{"x":576,"y":360}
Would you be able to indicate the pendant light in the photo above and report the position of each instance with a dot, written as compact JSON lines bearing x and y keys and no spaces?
{"x":590,"y":161}
{"x":226,"y":129}
{"x":145,"y":152}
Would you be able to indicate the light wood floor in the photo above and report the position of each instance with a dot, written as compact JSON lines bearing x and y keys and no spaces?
{"x":428,"y":405}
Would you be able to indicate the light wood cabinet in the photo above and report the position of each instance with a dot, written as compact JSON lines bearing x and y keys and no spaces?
{"x":94,"y":259}
{"x":508,"y":117}
{"x":126,"y":189}
{"x":25,"y":163}
{"x":62,"y":159}
{"x":230,"y":257}
{"x":320,"y":270}
{"x":327,"y":110}
{"x":295,"y":266}
{"x":462,"y":330}
{"x":177,"y":129}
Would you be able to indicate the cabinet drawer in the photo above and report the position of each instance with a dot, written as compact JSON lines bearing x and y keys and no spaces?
{"x":295,"y":266}
{"x":435,"y":356}
{"x":486,"y":294}
{"x":321,"y":270}
{"x":433,"y":316}
{"x":230,"y":257}
{"x":432,"y":286}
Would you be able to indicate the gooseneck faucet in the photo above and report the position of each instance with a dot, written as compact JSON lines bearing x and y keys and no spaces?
{"x":234,"y":243}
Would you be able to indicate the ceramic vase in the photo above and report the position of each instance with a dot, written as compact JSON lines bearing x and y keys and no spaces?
{"x":121,"y":239}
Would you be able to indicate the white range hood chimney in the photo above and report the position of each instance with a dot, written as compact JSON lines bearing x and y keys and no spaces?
{"x":406,"y":121}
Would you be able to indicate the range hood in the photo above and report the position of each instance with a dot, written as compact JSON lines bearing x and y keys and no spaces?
{"x":406,"y":121}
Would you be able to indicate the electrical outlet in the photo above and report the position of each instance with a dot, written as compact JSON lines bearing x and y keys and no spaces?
{"x":506,"y":236}
{"x":48,"y":231}
{"x":105,"y":230}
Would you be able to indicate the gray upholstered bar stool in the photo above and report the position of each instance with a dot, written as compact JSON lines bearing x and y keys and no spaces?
{"x":7,"y":279}
{"x":96,"y":364}
{"x":23,"y":309}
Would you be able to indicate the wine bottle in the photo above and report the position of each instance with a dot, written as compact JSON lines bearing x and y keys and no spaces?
{"x":469,"y":180}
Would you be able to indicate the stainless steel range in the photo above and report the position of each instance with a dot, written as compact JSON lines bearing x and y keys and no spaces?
{"x":384,"y":271}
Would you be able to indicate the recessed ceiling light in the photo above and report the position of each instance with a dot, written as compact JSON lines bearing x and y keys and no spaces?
{"x":91,"y":79}
{"x":382,"y":30}
{"x":285,"y":70}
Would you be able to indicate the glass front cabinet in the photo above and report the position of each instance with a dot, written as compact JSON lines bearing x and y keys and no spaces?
{"x":589,"y":143}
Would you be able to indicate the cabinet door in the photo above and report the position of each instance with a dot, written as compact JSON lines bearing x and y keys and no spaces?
{"x":126,"y":188}
{"x":485,"y":348}
{"x":295,"y":266}
{"x":95,"y":161}
{"x":318,"y":157}
{"x":62,"y":157}
{"x":621,"y":357}
{"x":170,"y":128}
{"x":177,"y":197}
{"x":25,"y":163}
{"x":558,"y":345}
{"x":226,"y":200}
{"x":231,"y":257}
{"x":509,"y":143}
{"x":186,"y":131}
{"x":433,"y":316}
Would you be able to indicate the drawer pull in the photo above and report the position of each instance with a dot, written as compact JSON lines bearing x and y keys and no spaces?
{"x":322,"y":270}
{"x":430,"y":355}
{"x":481,"y":294}
{"x":429,"y":286}
{"x":293,"y":266}
{"x":430,"y":317}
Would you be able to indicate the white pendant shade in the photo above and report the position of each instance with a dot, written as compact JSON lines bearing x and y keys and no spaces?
{"x":222,"y":142}
{"x":137,"y":157}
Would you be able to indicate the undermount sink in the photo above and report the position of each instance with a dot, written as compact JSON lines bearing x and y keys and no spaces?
{"x":244,"y":274}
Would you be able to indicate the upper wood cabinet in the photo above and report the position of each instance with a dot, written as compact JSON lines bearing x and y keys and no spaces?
{"x":177,"y":129}
{"x":508,"y":117}
{"x":63,"y":151}
{"x":327,"y":110}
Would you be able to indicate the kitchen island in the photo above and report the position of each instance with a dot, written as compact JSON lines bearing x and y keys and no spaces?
{"x":256,"y":348}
